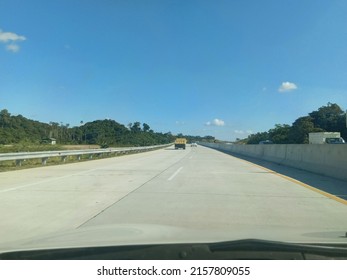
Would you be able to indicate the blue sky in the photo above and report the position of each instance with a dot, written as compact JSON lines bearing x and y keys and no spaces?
{"x":222,"y":68}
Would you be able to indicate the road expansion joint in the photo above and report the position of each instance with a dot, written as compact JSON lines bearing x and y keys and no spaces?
{"x":134,"y":190}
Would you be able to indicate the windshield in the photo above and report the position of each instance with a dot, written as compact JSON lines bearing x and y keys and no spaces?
{"x":143,"y":122}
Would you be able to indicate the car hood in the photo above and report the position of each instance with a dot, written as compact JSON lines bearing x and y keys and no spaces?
{"x":145,"y":234}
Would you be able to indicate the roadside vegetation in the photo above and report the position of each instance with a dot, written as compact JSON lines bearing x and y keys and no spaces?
{"x":19,"y":130}
{"x":27,"y":147}
{"x":31,"y":163}
{"x":329,"y":118}
{"x":19,"y":134}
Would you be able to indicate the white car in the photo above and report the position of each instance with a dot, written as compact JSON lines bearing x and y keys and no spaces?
{"x":193,"y":145}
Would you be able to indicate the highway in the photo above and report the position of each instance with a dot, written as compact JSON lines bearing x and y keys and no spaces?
{"x":197,"y":189}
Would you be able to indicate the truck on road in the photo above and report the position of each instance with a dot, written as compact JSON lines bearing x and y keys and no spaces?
{"x":180,"y":143}
{"x":325,"y":138}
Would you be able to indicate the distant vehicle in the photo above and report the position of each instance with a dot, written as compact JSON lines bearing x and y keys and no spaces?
{"x":325,"y":138}
{"x":339,"y":140}
{"x":266,"y":142}
{"x":193,"y":145}
{"x":51,"y":141}
{"x":180,"y":143}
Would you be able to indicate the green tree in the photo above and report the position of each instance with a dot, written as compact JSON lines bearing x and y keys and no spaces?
{"x":327,"y":117}
{"x":5,"y":118}
{"x":257,"y":137}
{"x":342,"y":126}
{"x":300,"y":129}
{"x":136,"y":127}
{"x":145,"y":127}
{"x":279,"y":134}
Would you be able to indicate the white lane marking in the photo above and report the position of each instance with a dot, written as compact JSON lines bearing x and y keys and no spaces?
{"x":173,"y":175}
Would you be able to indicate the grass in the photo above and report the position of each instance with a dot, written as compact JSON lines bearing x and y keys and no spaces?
{"x":32,"y":163}
{"x":16,"y":148}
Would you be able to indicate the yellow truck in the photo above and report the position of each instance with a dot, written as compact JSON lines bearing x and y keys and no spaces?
{"x":180,"y":143}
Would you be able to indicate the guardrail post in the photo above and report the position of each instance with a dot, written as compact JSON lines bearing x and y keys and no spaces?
{"x":63,"y":158}
{"x":19,"y":162}
{"x":78,"y":157}
{"x":91,"y":156}
{"x":44,"y":160}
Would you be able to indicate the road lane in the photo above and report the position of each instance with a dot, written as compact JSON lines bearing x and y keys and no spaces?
{"x":197,"y":188}
{"x":220,"y":192}
{"x":56,"y":198}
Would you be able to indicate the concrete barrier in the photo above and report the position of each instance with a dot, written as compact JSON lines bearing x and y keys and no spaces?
{"x":328,"y":160}
{"x":274,"y":153}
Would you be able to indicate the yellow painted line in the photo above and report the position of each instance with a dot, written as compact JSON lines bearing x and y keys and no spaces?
{"x":326,"y":194}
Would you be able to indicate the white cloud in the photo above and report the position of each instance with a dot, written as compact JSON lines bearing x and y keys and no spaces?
{"x":12,"y":48}
{"x":10,"y":39}
{"x":215,"y":122}
{"x":6,"y":37}
{"x":287,"y":86}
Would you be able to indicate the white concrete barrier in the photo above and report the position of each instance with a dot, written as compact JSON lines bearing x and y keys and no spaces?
{"x":274,"y":153}
{"x":329,"y":160}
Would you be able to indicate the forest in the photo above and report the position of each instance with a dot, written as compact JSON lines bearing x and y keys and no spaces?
{"x":330,"y":118}
{"x":21,"y":130}
{"x":18,"y":129}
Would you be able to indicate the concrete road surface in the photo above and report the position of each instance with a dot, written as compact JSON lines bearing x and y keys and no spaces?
{"x":198,"y":189}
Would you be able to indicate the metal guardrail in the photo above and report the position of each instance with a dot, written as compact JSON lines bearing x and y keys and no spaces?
{"x":20,"y":157}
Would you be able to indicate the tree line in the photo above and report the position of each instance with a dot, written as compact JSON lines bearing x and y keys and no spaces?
{"x":329,"y":118}
{"x":18,"y":129}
